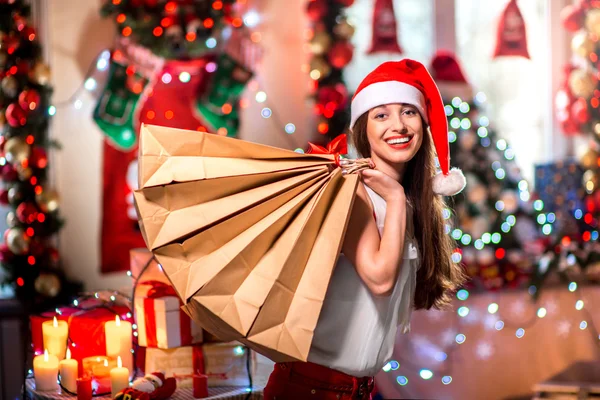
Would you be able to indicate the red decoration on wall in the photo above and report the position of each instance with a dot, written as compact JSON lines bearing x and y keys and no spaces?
{"x":384,"y":28}
{"x":511,"y":39}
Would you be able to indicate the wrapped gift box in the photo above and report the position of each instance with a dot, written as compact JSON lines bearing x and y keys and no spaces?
{"x":223,"y":363}
{"x":160,"y":320}
{"x":86,"y":328}
{"x":181,"y":363}
{"x":559,"y":185}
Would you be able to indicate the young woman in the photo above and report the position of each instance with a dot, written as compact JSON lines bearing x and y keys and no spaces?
{"x":396,"y":255}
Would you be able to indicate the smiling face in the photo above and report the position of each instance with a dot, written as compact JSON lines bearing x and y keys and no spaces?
{"x":395,"y":133}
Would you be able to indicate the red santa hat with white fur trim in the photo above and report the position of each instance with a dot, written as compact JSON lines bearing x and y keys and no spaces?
{"x":409,"y":82}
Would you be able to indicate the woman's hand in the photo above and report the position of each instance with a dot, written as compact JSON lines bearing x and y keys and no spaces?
{"x":383,"y":185}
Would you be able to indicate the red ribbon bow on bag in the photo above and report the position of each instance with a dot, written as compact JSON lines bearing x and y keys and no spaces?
{"x":337,"y":146}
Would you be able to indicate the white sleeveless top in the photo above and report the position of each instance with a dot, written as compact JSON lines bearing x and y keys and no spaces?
{"x":357,"y":330}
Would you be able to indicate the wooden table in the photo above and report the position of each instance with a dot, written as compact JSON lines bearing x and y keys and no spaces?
{"x":220,"y":393}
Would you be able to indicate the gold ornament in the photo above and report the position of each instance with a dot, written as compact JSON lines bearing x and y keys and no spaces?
{"x":582,"y":44}
{"x":16,"y":150}
{"x":592,"y":21}
{"x":17,"y":241}
{"x":582,"y":83}
{"x":24,"y":173}
{"x":597,"y":129}
{"x":14,"y":195}
{"x":10,"y":86}
{"x":47,"y":200}
{"x":590,"y":180}
{"x":40,"y":73}
{"x":319,"y":68}
{"x":320,"y":43}
{"x":343,"y":30}
{"x":47,"y":284}
{"x":590,"y":159}
{"x":11,"y":220}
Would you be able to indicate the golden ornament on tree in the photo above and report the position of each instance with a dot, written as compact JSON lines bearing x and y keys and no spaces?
{"x":320,"y":43}
{"x":16,"y":150}
{"x":582,"y":44}
{"x":319,"y":68}
{"x":11,"y":219}
{"x":590,"y":159}
{"x":47,"y":200}
{"x":24,"y":172}
{"x":343,"y":30}
{"x":10,"y":85}
{"x":590,"y":180}
{"x":582,"y":83}
{"x":40,"y":74}
{"x":14,"y":195}
{"x":17,"y":241}
{"x":592,"y":21}
{"x":47,"y":285}
{"x":596,"y":125}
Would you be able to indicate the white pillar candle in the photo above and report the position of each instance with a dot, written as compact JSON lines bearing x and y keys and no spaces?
{"x":69,"y":373}
{"x":55,"y":337}
{"x":119,"y":378}
{"x":118,"y":341}
{"x":45,"y":370}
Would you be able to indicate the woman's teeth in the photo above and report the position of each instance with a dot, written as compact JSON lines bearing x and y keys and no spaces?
{"x":398,"y":141}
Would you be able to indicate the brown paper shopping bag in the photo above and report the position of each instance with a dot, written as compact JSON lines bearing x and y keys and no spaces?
{"x":247,"y":234}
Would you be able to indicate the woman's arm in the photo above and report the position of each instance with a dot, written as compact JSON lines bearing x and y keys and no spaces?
{"x":377,"y":260}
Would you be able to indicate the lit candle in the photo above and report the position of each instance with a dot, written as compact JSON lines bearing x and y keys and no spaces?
{"x":118,"y":341}
{"x":68,"y":373}
{"x":55,"y":337}
{"x":45,"y":369}
{"x":119,"y":378}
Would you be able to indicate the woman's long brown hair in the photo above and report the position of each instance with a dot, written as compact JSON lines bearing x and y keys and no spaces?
{"x":439,"y":276}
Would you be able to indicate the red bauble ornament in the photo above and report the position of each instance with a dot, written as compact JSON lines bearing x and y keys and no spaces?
{"x":346,"y":3}
{"x":4,"y":197}
{"x":341,"y":54}
{"x":11,"y":43}
{"x":9,"y":174}
{"x":572,"y":18}
{"x":316,"y":10}
{"x":15,"y":115}
{"x":38,"y":158}
{"x":29,"y":99}
{"x":5,"y":253}
{"x":569,"y":127}
{"x":27,"y":213}
{"x":335,"y":96}
{"x":28,"y":34}
{"x":579,"y":111}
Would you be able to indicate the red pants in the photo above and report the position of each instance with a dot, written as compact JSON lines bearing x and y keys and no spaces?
{"x":301,"y":381}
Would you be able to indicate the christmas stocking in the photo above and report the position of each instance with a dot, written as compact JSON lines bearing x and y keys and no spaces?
{"x":511,"y":38}
{"x":131,"y":69}
{"x":170,"y":101}
{"x":384,"y":28}
{"x":219,"y":104}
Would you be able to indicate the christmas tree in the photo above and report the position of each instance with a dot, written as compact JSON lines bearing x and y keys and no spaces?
{"x":574,"y":251}
{"x":331,"y":51}
{"x":495,"y":220}
{"x":182,"y":64}
{"x":30,"y":263}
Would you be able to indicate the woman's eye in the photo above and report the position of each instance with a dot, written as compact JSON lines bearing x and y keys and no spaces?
{"x":379,"y":116}
{"x":410,"y":112}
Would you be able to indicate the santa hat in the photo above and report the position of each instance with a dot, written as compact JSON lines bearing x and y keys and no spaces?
{"x":449,"y":76}
{"x":409,"y":82}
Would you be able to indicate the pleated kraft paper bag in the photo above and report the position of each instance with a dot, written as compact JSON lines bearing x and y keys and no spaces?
{"x":247,"y":234}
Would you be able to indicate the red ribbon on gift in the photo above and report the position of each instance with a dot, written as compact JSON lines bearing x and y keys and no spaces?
{"x":337,"y":146}
{"x":160,"y":290}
